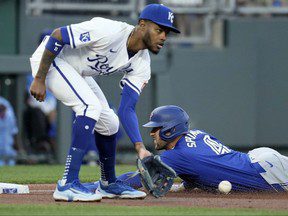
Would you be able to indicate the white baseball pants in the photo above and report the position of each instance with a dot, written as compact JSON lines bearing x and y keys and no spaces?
{"x":275,"y":165}
{"x":82,"y":94}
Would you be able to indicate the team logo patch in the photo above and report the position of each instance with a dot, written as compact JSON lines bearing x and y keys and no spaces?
{"x":85,"y":37}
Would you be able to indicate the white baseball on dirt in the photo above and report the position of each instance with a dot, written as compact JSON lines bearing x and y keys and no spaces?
{"x":177,"y":187}
{"x":225,"y":187}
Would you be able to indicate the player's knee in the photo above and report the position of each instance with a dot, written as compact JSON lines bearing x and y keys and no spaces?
{"x":93,"y":111}
{"x":114,"y":124}
{"x":108,"y":124}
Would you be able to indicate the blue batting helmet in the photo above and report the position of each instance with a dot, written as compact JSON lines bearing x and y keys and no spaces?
{"x":173,"y":121}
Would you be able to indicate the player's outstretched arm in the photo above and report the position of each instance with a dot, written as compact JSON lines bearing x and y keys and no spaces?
{"x":129,"y":120}
{"x":53,"y":47}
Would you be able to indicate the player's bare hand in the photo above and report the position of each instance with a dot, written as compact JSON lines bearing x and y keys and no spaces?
{"x":38,"y":89}
{"x":142,"y":151}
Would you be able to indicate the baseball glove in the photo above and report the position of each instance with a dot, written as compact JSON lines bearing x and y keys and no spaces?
{"x":156,"y":176}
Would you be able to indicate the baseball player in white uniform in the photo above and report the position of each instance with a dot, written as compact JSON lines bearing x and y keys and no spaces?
{"x":65,"y":63}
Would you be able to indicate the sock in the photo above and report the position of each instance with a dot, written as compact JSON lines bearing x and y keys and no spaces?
{"x":106,"y":146}
{"x":82,"y":137}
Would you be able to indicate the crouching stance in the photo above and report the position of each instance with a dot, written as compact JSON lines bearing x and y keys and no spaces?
{"x":65,"y":63}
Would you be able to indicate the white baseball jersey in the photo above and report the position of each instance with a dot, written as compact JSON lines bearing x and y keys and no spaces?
{"x":99,"y":47}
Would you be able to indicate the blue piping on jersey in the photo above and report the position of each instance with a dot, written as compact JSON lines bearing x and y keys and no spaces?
{"x":67,"y":81}
{"x":132,"y":85}
{"x":71,"y":33}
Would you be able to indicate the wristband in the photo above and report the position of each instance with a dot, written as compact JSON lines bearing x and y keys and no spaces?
{"x":54,"y":45}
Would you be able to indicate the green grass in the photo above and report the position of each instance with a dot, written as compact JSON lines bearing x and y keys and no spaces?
{"x":99,"y":209}
{"x":51,"y":173}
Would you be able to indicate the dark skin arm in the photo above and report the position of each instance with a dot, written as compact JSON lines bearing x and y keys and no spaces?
{"x":38,"y":87}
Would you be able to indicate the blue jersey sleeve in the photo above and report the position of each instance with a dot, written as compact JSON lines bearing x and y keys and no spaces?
{"x":181,"y":166}
{"x":173,"y":159}
{"x":127,"y":114}
{"x":132,"y":179}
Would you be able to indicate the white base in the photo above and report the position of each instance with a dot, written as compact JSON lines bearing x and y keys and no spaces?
{"x":13,"y":188}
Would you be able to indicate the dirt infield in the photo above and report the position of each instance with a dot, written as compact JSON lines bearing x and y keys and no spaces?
{"x":42,"y":194}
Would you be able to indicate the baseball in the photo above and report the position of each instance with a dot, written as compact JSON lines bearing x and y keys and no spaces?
{"x":225,"y":187}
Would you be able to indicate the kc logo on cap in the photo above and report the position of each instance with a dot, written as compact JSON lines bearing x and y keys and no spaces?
{"x":159,"y":14}
{"x":170,"y":16}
